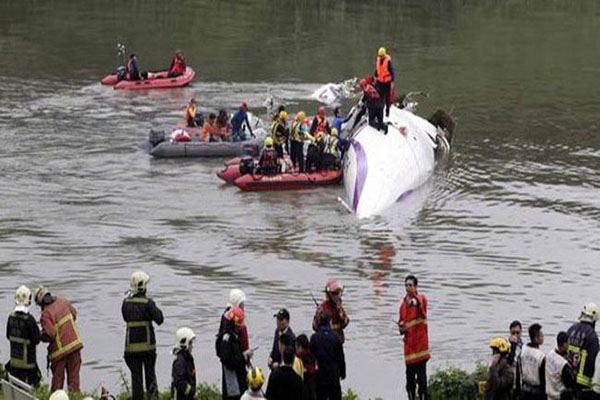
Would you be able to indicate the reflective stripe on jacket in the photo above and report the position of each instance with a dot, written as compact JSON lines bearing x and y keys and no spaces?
{"x":139,"y":312}
{"x":24,"y":335}
{"x":58,"y":323}
{"x":583,"y":343}
{"x":416,"y":341}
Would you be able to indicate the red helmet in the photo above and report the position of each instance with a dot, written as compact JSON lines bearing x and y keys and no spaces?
{"x":321,"y":111}
{"x":235,"y":314}
{"x":333,"y":286}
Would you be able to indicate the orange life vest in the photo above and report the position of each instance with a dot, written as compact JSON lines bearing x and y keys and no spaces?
{"x":416,"y":341}
{"x":382,"y":66}
{"x":321,"y":124}
{"x":58,"y":322}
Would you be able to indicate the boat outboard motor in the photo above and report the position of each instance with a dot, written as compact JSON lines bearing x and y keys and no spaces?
{"x":121,"y":73}
{"x":156,"y":137}
{"x":246,"y":165}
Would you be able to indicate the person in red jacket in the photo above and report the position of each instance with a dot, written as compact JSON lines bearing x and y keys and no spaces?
{"x":332,"y":306}
{"x":413,"y":325}
{"x":59,"y":330}
{"x":177,"y":67}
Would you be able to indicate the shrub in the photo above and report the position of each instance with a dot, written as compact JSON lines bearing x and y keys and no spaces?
{"x":456,"y":384}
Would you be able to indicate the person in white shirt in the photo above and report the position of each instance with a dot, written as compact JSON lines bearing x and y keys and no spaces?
{"x":533,"y":365}
{"x":560,"y":373}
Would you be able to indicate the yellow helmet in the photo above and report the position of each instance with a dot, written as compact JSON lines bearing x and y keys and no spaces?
{"x":23,"y":296}
{"x":300,"y":116}
{"x":500,"y":344}
{"x":284,"y":116}
{"x":334,"y":132}
{"x":255,"y":378}
{"x":269,"y":141}
{"x":139,"y":281}
{"x":381,"y":52}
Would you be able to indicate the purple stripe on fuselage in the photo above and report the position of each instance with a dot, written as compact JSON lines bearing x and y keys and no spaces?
{"x":361,"y":172}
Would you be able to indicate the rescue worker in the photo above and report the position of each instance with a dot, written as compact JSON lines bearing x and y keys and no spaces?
{"x":314,"y":153}
{"x":338,"y":120}
{"x":238,"y":119}
{"x":514,"y":355}
{"x":59,"y":330}
{"x":283,"y":329}
{"x":309,"y":366}
{"x":533,"y":365}
{"x":413,"y":325}
{"x":583,"y":348}
{"x":183,"y":373}
{"x":385,"y":74}
{"x":331,"y":153}
{"x":193,"y":116}
{"x":178,"y":66}
{"x":298,"y":134}
{"x":268,"y":163}
{"x":280,"y":132}
{"x":500,"y":375}
{"x":223,"y":126}
{"x":139,"y":312}
{"x":319,"y":123}
{"x":560,"y":374}
{"x":372,"y":103}
{"x":209,"y":130}
{"x":332,"y":307}
{"x":256,"y":379}
{"x":237,"y":298}
{"x":284,"y":382}
{"x":133,"y":73}
{"x":233,"y":357}
{"x":328,"y":350}
{"x":24,"y":335}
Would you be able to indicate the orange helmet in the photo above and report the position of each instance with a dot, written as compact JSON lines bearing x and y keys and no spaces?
{"x":236,"y":315}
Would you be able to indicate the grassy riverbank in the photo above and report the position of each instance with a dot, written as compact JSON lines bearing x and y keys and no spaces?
{"x":445,"y":384}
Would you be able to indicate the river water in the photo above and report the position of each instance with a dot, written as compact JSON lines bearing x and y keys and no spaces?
{"x":509,"y":229}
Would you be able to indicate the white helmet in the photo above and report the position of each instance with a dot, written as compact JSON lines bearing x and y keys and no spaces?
{"x":589,"y":312}
{"x":236,"y":297}
{"x":139,"y":281}
{"x":184,"y":338}
{"x":59,"y":395}
{"x":23,"y":296}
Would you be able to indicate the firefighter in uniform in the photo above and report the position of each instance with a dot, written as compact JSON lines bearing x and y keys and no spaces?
{"x":298,"y":135}
{"x":59,"y":330}
{"x":280,"y":132}
{"x":331,"y":152}
{"x":583,"y":348}
{"x":139,"y":312}
{"x":24,"y":335}
{"x":183,"y":373}
{"x":332,"y":306}
{"x":413,"y":325}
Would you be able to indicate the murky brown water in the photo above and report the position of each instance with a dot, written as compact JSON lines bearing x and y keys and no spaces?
{"x":510,"y":230}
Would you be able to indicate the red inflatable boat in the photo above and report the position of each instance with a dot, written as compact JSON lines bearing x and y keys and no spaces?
{"x":234,"y":167}
{"x":156,"y":80}
{"x":287,"y":181}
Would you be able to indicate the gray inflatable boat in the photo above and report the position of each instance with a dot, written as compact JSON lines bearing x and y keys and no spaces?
{"x":159,"y":146}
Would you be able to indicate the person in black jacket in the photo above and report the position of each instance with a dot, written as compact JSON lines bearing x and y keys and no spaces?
{"x":309,"y":364}
{"x":327,"y":348}
{"x":24,"y":335}
{"x":233,"y":358}
{"x":183,"y":373}
{"x":284,"y":382}
{"x":283,"y":329}
{"x":583,"y":349}
{"x":139,"y":312}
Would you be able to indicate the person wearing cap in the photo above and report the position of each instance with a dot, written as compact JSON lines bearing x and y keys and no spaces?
{"x":280,"y":132}
{"x":412,"y":324}
{"x":385,"y":75}
{"x":193,"y":116}
{"x":332,"y":307}
{"x":298,"y":135}
{"x":327,"y":349}
{"x":178,"y":66}
{"x":283,"y":329}
{"x":139,"y":313}
{"x":256,"y":379}
{"x":233,"y":357}
{"x":284,"y":382}
{"x":583,"y":349}
{"x":60,"y":331}
{"x":560,"y":371}
{"x":237,"y":298}
{"x":24,"y":335}
{"x":237,"y":122}
{"x":500,"y":374}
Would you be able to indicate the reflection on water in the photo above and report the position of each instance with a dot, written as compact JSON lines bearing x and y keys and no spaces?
{"x":509,"y":228}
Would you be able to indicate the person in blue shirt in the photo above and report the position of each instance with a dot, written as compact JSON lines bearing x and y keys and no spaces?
{"x":237,"y":121}
{"x":132,"y":68}
{"x":338,"y":120}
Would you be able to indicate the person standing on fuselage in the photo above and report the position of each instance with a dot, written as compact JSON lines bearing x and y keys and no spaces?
{"x":385,"y":74}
